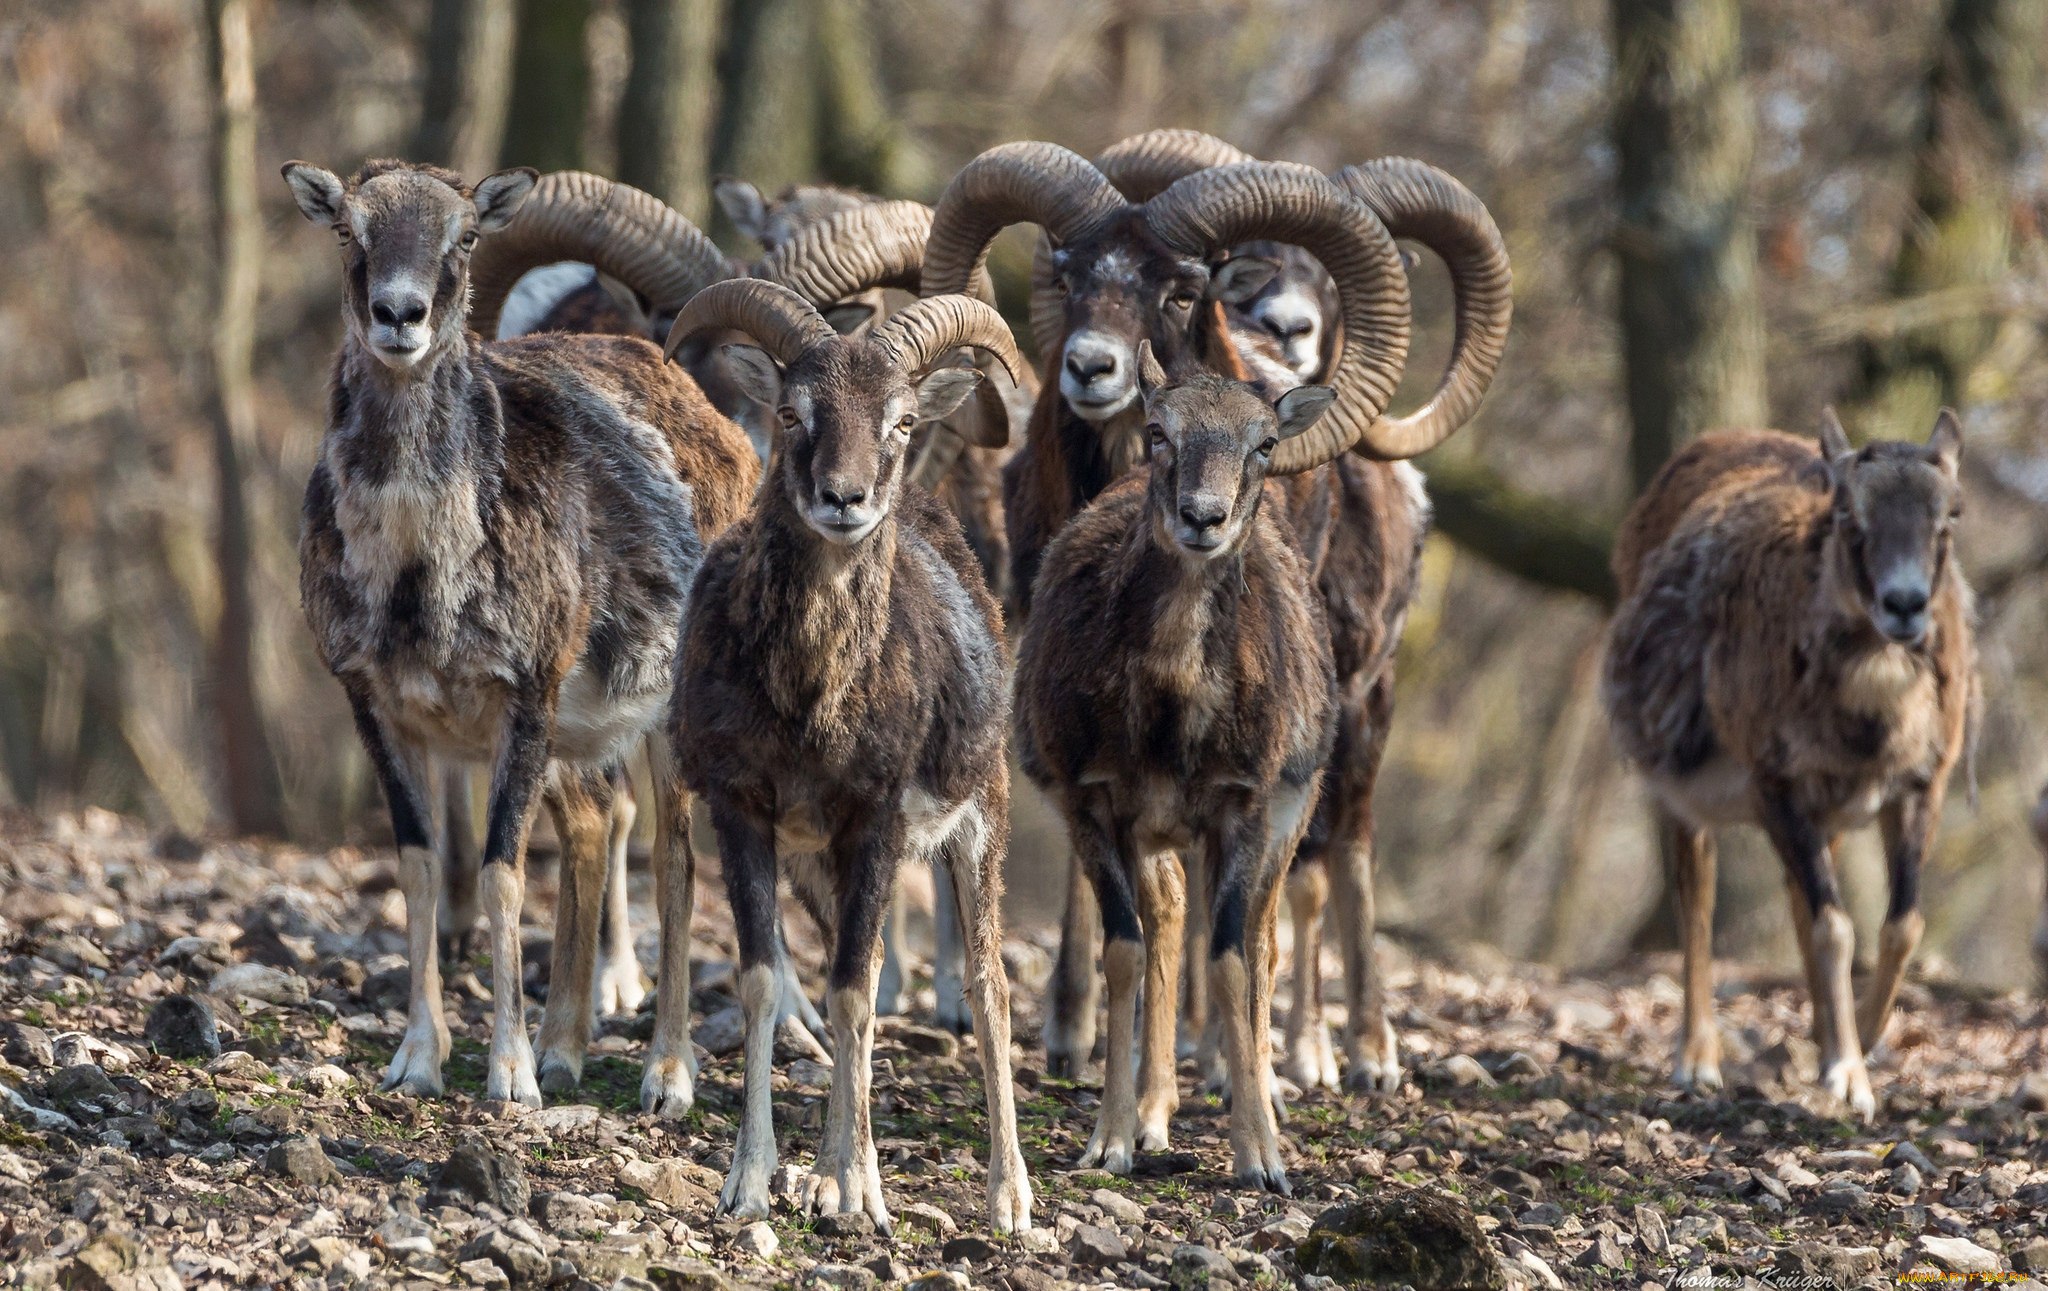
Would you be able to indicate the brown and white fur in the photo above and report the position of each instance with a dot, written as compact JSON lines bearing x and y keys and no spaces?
{"x":498,"y":541}
{"x":844,"y":690}
{"x":1794,"y":650}
{"x":1176,"y":695}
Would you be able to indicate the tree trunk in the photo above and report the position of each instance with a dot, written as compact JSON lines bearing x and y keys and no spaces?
{"x":1552,"y":544}
{"x":665,"y":114}
{"x":1691,"y":325}
{"x":248,"y":769}
{"x":861,"y":142}
{"x":1969,"y":141}
{"x":550,"y":86}
{"x":468,"y":62}
{"x":768,"y":109}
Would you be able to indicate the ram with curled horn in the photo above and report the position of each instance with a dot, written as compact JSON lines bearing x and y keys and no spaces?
{"x":1157,"y":265}
{"x":844,"y":688}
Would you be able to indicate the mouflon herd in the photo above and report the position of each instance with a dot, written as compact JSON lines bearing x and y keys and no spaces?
{"x":829,"y":569}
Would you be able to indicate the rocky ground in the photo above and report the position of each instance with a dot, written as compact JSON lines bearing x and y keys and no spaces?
{"x":1538,"y":1146}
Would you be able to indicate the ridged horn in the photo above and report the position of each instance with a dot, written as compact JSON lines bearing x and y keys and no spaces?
{"x":1141,"y":167}
{"x":921,"y":333}
{"x":784,"y":323}
{"x":880,"y":244}
{"x":1281,"y":201}
{"x":1417,"y":200}
{"x":1012,"y":183}
{"x":633,"y":236}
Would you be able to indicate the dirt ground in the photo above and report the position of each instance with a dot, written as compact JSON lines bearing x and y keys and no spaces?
{"x":1537,"y":1118}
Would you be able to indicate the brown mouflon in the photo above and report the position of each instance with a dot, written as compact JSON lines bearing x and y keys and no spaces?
{"x":844,"y":692}
{"x":1793,"y":650}
{"x":498,"y":541}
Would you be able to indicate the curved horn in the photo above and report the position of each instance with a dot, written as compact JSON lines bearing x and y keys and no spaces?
{"x":1012,"y":183}
{"x":634,"y":237}
{"x":1218,"y":208}
{"x":880,"y":244}
{"x":919,"y":336}
{"x":1416,"y":200}
{"x":783,"y":322}
{"x":1141,"y":167}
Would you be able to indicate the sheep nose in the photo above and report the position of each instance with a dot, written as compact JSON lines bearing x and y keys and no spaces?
{"x":1203,"y":513}
{"x":1088,"y":367}
{"x":399,"y":313}
{"x":1905,"y":602}
{"x":843,"y":496}
{"x":1288,"y":329}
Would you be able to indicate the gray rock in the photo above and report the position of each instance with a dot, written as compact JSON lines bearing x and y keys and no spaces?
{"x":25,"y":1045}
{"x":1543,"y":1215}
{"x":567,"y":1213}
{"x":260,"y":982}
{"x":889,"y":1269}
{"x":1957,"y":1254}
{"x":930,"y":1218}
{"x":2031,"y":1257}
{"x":1840,"y":1196}
{"x":1463,"y":1070}
{"x":116,"y":1261}
{"x":939,"y":1280}
{"x":1519,"y":1066}
{"x":301,"y":1158}
{"x":967,"y":1247}
{"x":851,"y":1276}
{"x":323,"y":1252}
{"x":758,"y":1240}
{"x":1906,"y":1152}
{"x":1194,"y":1267}
{"x":483,"y":1273}
{"x":1117,"y":1206}
{"x":933,"y":1042}
{"x":1709,"y":1231}
{"x":405,"y":1235}
{"x":1097,"y":1247}
{"x":476,"y":1172}
{"x":1420,"y":1236}
{"x":839,"y":1227}
{"x":2032,"y":1092}
{"x":1283,"y":1233}
{"x":83,"y":1085}
{"x":1604,"y":1253}
{"x":522,"y":1262}
{"x":1905,"y":1180}
{"x":183,"y":1026}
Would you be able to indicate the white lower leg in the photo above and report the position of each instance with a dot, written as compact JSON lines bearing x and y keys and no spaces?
{"x":1841,"y":1054}
{"x":948,"y":957}
{"x":669,"y":1085}
{"x":1896,"y":942}
{"x":1311,"y":1061}
{"x":847,"y":1177}
{"x":753,"y":1159}
{"x":1116,"y":1127}
{"x":619,"y":987}
{"x":416,"y":1067}
{"x":1254,"y":1137}
{"x":988,"y":991}
{"x":510,"y":1078}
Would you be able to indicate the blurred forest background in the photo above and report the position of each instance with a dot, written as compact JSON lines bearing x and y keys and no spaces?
{"x":1719,"y":213}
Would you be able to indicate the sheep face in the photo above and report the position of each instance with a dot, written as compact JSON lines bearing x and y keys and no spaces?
{"x":1895,"y":512}
{"x":406,"y":233}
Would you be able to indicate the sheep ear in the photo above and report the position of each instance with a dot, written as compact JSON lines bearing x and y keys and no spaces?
{"x":942,"y":392}
{"x":1150,"y":375}
{"x":1242,"y":277}
{"x":318,"y":192}
{"x":743,"y":205}
{"x":755,"y":373}
{"x":1834,"y":441}
{"x":1947,"y":441}
{"x":638,"y":313}
{"x":498,"y":197}
{"x":1302,"y":407}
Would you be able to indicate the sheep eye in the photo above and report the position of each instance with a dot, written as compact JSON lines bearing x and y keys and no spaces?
{"x":787,"y":416}
{"x":1268,"y":446}
{"x":344,"y":234}
{"x":469,"y":239}
{"x":1184,"y":300}
{"x":1158,"y":436}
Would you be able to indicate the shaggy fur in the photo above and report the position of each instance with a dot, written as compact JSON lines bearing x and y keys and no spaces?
{"x":1176,"y":699}
{"x":1757,"y":673}
{"x":498,"y":539}
{"x":846,"y":704}
{"x":1361,"y":525}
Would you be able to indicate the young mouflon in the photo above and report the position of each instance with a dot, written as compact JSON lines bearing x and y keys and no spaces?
{"x":845,"y":696}
{"x":1794,"y":651}
{"x":498,"y":542}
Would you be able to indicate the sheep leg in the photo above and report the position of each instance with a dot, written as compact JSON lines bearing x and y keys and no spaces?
{"x":1246,"y":881}
{"x":459,"y":861}
{"x":1370,"y":1046}
{"x":1699,"y":1042}
{"x":1804,"y":852}
{"x":948,"y":961}
{"x":1071,"y":995}
{"x":1101,"y":849}
{"x":1163,"y":897}
{"x":746,"y":844}
{"x":581,"y":805}
{"x":1311,"y":1062}
{"x":416,"y":1067}
{"x":846,"y":1178}
{"x":889,"y":989}
{"x":974,"y":863}
{"x":1908,"y":827}
{"x":669,"y":1085}
{"x":619,"y":987}
{"x":521,"y":763}
{"x":1197,"y":1034}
